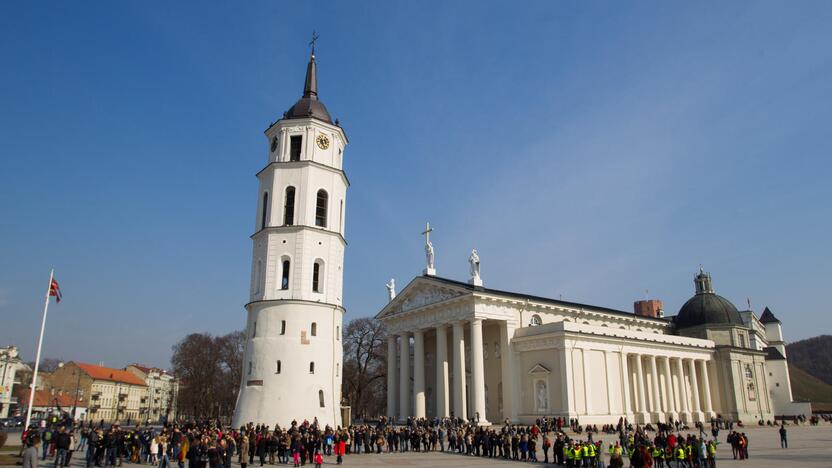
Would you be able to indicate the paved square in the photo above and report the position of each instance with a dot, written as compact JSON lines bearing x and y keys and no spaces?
{"x":808,"y":447}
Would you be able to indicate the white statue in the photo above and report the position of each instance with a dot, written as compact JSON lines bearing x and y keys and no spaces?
{"x":474,"y":260}
{"x":391,"y":289}
{"x":429,"y":254}
{"x":542,"y":398}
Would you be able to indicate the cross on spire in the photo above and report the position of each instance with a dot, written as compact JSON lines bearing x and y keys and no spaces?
{"x":313,"y":41}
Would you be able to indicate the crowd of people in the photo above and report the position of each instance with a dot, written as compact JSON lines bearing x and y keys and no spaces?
{"x":209,"y":444}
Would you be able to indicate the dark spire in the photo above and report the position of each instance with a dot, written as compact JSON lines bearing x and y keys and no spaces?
{"x":309,"y":105}
{"x":310,"y":87}
{"x":768,"y":316}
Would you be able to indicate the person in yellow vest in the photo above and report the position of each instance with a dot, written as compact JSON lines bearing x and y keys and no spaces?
{"x":712,"y":453}
{"x":570,"y":455}
{"x":680,"y":455}
{"x":578,"y":453}
{"x":658,"y":456}
{"x":586,"y":455}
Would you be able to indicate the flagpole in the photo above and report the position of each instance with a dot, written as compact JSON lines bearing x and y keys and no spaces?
{"x":37,"y":357}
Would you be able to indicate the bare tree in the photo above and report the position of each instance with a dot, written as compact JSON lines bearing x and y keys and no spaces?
{"x":365,"y":366}
{"x":210,"y":368}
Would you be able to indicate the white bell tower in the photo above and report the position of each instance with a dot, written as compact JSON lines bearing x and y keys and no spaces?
{"x":293,"y":357}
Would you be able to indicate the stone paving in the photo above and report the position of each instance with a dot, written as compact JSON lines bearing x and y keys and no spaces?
{"x":808,"y":447}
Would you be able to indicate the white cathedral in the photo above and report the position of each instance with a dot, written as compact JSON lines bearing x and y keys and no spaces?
{"x":293,"y":353}
{"x":460,"y":349}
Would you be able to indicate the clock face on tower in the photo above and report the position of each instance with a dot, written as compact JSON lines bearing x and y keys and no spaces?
{"x":322,"y":141}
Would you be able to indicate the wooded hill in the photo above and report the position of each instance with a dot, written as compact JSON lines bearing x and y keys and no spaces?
{"x":810,"y":369}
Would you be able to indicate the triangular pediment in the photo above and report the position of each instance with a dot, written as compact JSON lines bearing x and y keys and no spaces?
{"x":539,"y":369}
{"x":421,"y":292}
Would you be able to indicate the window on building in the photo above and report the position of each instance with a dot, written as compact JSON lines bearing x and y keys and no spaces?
{"x":254,"y":330}
{"x":282,"y":327}
{"x":535,"y":321}
{"x":320,"y":208}
{"x":338,"y":333}
{"x":257,"y":277}
{"x":749,"y":373}
{"x":321,"y":398}
{"x":337,"y":369}
{"x":314,"y":329}
{"x":312,"y":367}
{"x":277,"y":367}
{"x":317,"y":283}
{"x":295,"y":144}
{"x":274,"y":144}
{"x":249,"y":368}
{"x":289,"y":207}
{"x":284,"y":280}
{"x":263,"y":220}
{"x":741,"y":338}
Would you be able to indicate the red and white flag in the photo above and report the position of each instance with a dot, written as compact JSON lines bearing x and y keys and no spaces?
{"x":55,"y":290}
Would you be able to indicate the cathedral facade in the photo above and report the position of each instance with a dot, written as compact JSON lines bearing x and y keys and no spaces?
{"x":462,"y":350}
{"x":293,"y":352}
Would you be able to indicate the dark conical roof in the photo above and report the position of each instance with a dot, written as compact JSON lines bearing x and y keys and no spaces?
{"x":707,"y":307}
{"x":768,"y":317}
{"x":308,"y":106}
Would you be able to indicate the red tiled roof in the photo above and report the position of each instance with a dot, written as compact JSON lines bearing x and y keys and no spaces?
{"x":44,"y":398}
{"x":113,"y":375}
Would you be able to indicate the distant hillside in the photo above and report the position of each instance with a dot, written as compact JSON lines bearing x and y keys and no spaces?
{"x":806,"y":387}
{"x":813,"y":355}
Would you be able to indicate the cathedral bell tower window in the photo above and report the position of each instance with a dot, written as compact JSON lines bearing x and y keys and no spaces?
{"x":284,"y":279}
{"x":317,"y":284}
{"x":264,"y":219}
{"x":289,"y":207}
{"x":295,"y":144}
{"x":320,"y":208}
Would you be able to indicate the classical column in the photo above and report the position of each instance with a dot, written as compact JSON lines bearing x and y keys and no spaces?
{"x":642,"y":406}
{"x":459,"y":371}
{"x":607,"y":380}
{"x":684,"y":411}
{"x":442,"y":372}
{"x":404,"y":376}
{"x":657,"y":400}
{"x":419,"y":374}
{"x":478,"y":371}
{"x":706,"y":389}
{"x":625,"y":384}
{"x":670,"y":401}
{"x":391,"y":376}
{"x":507,"y":371}
{"x":696,"y":411}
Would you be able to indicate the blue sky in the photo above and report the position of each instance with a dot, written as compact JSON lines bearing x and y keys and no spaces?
{"x":593,"y":150}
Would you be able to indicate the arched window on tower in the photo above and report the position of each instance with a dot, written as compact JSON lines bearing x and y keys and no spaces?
{"x":321,"y":398}
{"x":263,"y":219}
{"x":314,"y":329}
{"x":289,"y":207}
{"x":320,"y":208}
{"x":312,"y":367}
{"x":284,"y":275}
{"x":317,"y":276}
{"x":277,"y":367}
